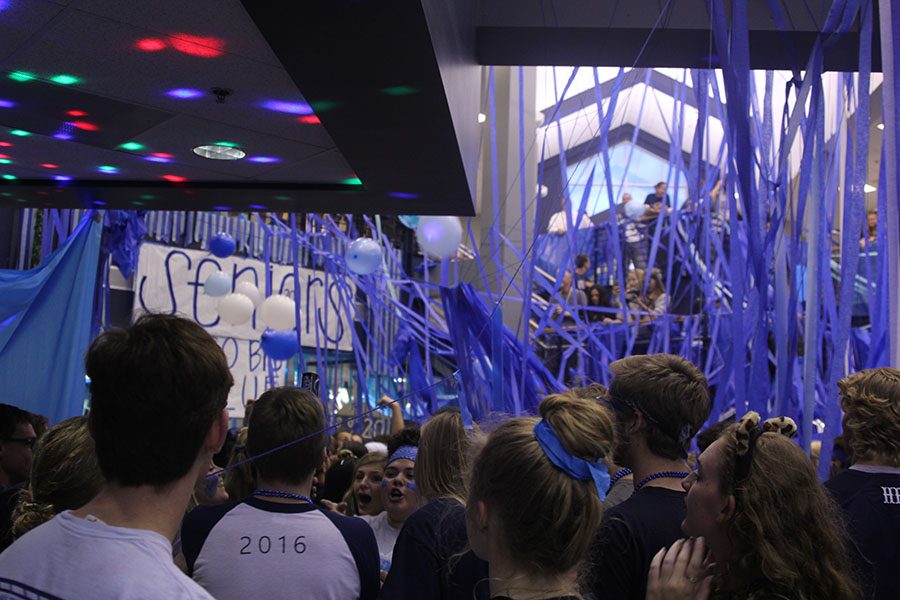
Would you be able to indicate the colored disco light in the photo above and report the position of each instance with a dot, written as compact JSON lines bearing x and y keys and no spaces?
{"x":108,"y":169}
{"x":184,"y":93}
{"x":4,"y":156}
{"x":76,"y":113}
{"x":195,"y":45}
{"x":399,"y":90}
{"x":19,"y":132}
{"x":294,"y":108}
{"x":98,"y":203}
{"x":309,"y":120}
{"x":6,"y":103}
{"x":282,"y":197}
{"x":84,"y":125}
{"x":5,"y":161}
{"x":404,"y":195}
{"x":147,"y":197}
{"x":5,"y":144}
{"x":257,"y":207}
{"x":225,"y":208}
{"x":159,"y":157}
{"x":65,"y":79}
{"x":150,"y":45}
{"x":9,"y":177}
{"x":352,"y":181}
{"x":22,"y":76}
{"x":134,"y":146}
{"x":322,"y":105}
{"x":264,"y":159}
{"x":175,"y":178}
{"x":227,"y":144}
{"x":62,"y":178}
{"x":49,"y":166}
{"x":63,"y":136}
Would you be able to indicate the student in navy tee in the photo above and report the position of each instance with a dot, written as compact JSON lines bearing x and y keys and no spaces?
{"x":869,"y":491}
{"x":158,"y":395}
{"x":277,"y":543}
{"x":431,"y":557}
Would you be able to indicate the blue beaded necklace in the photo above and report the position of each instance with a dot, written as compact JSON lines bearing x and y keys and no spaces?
{"x":660,"y":475}
{"x":280,"y":494}
{"x":615,"y":478}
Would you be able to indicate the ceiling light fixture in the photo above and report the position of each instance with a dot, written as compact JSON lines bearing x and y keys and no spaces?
{"x":219,"y":151}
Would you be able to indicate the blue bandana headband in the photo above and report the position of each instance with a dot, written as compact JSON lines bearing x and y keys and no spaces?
{"x":407,"y":452}
{"x":574,"y":467}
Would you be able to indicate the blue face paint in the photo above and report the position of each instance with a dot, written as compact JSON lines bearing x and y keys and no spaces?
{"x":384,"y":483}
{"x":411,"y":485}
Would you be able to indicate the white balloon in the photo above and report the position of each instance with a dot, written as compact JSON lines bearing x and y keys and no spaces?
{"x":439,"y":237}
{"x":277,"y":312}
{"x":248,"y":289}
{"x":235,"y":309}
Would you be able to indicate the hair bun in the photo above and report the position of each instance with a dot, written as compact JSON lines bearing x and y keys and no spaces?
{"x":583,"y":426}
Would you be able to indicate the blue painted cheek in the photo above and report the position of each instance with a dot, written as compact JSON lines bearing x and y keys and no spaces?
{"x":384,"y":483}
{"x":411,"y":485}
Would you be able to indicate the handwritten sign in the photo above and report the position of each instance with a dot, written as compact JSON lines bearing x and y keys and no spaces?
{"x":170,"y":280}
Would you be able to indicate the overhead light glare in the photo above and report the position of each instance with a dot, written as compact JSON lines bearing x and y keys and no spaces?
{"x":880,"y":126}
{"x":869,"y":188}
{"x":219,"y":151}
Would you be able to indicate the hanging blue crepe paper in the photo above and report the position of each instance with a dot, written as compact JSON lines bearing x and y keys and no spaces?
{"x":123,"y":232}
{"x":573,"y":466}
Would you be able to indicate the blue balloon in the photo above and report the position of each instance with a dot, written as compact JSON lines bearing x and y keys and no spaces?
{"x":280,"y":344}
{"x":409,"y":221}
{"x":363,"y":256}
{"x":222,"y":245}
{"x":217,"y":284}
{"x":634,"y":208}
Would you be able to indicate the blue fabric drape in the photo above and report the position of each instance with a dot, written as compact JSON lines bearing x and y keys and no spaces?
{"x":45,"y":320}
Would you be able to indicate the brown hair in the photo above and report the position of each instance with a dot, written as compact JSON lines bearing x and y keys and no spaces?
{"x":547,"y":518}
{"x":280,"y":416}
{"x":783,"y":517}
{"x":442,"y":463}
{"x":64,"y":475}
{"x":870,"y":400}
{"x":671,"y":393}
{"x":240,"y":480}
{"x":367,"y":459}
{"x":156,"y":387}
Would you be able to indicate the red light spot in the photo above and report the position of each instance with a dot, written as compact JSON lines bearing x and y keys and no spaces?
{"x":76,"y":113}
{"x":84,"y":125}
{"x":150,"y":45}
{"x":43,"y":193}
{"x":4,"y":156}
{"x":175,"y":178}
{"x":309,"y":120}
{"x":195,"y":45}
{"x":5,"y":144}
{"x":161,"y":155}
{"x":49,"y":166}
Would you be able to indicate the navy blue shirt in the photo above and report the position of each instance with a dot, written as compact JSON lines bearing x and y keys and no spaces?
{"x":427,"y":562}
{"x":871,"y":505}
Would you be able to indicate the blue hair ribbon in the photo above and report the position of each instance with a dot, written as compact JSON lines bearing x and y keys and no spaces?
{"x":574,"y":467}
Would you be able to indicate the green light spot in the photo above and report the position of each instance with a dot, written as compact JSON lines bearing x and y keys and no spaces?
{"x":322,"y":105}
{"x":6,"y":194}
{"x":22,"y":76}
{"x":282,"y":197}
{"x":226,"y":144}
{"x":19,"y":132}
{"x":5,"y":161}
{"x":136,"y":203}
{"x":65,"y":79}
{"x":351,"y":181}
{"x":131,"y":146}
{"x":399,"y":90}
{"x":20,"y":200}
{"x":9,"y":177}
{"x":147,"y":197}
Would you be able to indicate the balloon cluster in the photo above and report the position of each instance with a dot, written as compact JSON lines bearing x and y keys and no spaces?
{"x":237,"y":302}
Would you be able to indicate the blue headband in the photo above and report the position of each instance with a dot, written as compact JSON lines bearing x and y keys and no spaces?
{"x":407,"y":452}
{"x":574,"y":467}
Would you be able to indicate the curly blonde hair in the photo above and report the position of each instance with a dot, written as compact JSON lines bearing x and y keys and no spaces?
{"x":783,"y":517}
{"x":870,"y":400}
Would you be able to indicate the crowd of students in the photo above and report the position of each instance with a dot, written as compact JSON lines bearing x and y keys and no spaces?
{"x":599,"y":496}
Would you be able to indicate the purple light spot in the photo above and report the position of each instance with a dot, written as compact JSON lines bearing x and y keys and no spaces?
{"x":264,"y":159}
{"x":99,"y":203}
{"x":226,"y":208}
{"x":6,"y":103}
{"x":158,"y":159}
{"x":63,"y":136}
{"x":62,"y":178}
{"x":404,"y":195}
{"x":294,"y":108}
{"x":257,"y":207}
{"x":184,"y":93}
